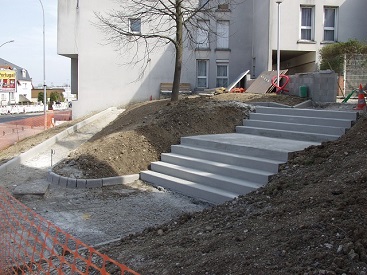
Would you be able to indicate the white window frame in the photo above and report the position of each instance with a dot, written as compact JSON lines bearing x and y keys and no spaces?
{"x":202,"y":36}
{"x":312,"y":27}
{"x":329,"y":28}
{"x":220,"y":77}
{"x":132,"y":23}
{"x":201,"y":77}
{"x":223,"y":34}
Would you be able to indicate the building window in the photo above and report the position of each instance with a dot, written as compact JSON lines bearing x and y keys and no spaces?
{"x":307,"y":23}
{"x":202,"y":39}
{"x":222,"y":75}
{"x":330,"y":15}
{"x":222,"y":34}
{"x":135,"y":25}
{"x":202,"y":73}
{"x":220,"y":5}
{"x":24,"y":73}
{"x":223,"y":5}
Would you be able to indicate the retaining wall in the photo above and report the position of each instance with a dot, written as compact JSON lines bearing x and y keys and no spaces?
{"x":322,"y":86}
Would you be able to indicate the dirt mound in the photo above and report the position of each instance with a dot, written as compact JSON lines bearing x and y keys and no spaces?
{"x":310,"y":219}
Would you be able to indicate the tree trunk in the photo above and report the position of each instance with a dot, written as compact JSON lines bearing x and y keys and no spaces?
{"x":179,"y":52}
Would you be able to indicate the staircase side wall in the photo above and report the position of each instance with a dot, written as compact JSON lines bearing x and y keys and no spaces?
{"x":321,"y":86}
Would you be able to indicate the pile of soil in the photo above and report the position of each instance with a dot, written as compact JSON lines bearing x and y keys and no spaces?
{"x":310,"y":219}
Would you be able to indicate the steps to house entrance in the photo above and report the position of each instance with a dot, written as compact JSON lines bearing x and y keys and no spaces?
{"x":218,"y":168}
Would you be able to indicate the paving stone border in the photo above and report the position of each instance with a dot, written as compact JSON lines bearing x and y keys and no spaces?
{"x":67,"y":182}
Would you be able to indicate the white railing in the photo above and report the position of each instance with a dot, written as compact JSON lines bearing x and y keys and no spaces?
{"x":22,"y":109}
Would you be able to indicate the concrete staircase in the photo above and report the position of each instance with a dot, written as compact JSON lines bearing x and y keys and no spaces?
{"x":218,"y":168}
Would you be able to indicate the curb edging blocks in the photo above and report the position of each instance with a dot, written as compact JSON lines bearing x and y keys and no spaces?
{"x":89,"y":183}
{"x":63,"y":181}
{"x":81,"y":183}
{"x":119,"y":180}
{"x":71,"y":183}
{"x":94,"y":183}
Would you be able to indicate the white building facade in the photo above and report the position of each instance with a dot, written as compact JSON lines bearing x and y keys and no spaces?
{"x":23,"y":85}
{"x":247,"y":40}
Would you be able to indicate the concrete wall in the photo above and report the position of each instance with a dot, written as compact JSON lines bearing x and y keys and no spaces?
{"x":261,"y":55}
{"x":100,"y":74}
{"x":240,"y":42}
{"x":322,"y":86}
{"x":68,"y":27}
{"x":352,"y":20}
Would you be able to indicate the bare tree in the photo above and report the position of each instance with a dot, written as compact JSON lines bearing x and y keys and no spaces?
{"x":164,"y":22}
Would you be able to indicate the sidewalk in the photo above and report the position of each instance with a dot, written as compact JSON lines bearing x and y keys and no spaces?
{"x":38,"y":159}
{"x":92,"y":215}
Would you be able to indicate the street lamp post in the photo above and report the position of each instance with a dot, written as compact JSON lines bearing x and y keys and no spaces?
{"x":278,"y":43}
{"x":10,"y":41}
{"x":44,"y":69}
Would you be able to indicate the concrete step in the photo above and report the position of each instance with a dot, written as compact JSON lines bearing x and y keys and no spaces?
{"x":188,"y":188}
{"x":218,"y":168}
{"x":271,"y":166}
{"x":352,"y":116}
{"x":249,"y":145}
{"x":302,"y":120}
{"x":218,"y":181}
{"x":338,"y":131}
{"x":242,"y":173}
{"x":284,"y":134}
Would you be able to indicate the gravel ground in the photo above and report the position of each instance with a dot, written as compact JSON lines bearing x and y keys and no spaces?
{"x":93,"y":215}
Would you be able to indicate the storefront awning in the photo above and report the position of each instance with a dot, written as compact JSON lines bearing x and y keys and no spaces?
{"x":23,"y":99}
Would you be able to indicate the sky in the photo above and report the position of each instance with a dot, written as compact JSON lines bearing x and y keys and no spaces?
{"x":22,"y":21}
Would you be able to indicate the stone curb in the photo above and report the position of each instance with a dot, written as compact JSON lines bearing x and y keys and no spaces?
{"x":33,"y":151}
{"x":305,"y":104}
{"x":270,"y":104}
{"x":55,"y":179}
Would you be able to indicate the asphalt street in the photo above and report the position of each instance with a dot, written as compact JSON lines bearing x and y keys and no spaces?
{"x":14,"y":117}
